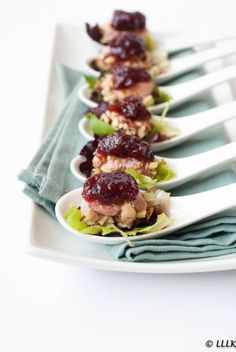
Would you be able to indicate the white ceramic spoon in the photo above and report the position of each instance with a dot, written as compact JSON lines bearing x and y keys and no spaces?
{"x":186,"y":41}
{"x":180,"y":65}
{"x":179,"y":93}
{"x":186,"y":169}
{"x":184,"y":210}
{"x":188,"y":125}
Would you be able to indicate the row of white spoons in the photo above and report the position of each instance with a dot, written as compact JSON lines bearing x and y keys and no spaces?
{"x":187,"y":209}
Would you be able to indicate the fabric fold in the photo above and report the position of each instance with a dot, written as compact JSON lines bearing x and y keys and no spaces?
{"x":47,"y":176}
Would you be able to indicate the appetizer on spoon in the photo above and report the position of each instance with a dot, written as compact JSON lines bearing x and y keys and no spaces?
{"x":112,"y":203}
{"x":130,"y":116}
{"x":177,"y":130}
{"x":119,"y":152}
{"x":125,"y":81}
{"x":111,"y":197}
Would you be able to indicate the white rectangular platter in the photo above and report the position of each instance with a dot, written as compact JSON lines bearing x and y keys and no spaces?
{"x":47,"y":238}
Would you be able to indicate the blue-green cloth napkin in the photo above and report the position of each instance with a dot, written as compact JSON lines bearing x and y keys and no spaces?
{"x":215,"y":237}
{"x":48,"y":177}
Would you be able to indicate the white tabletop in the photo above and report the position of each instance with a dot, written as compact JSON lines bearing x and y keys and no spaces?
{"x":47,"y":306}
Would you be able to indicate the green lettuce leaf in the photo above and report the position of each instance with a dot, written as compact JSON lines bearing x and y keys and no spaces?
{"x":150,"y":42}
{"x":73,"y":219}
{"x":143,"y":181}
{"x":162,"y":221}
{"x":160,"y":96}
{"x":150,"y":102}
{"x":91,"y":81}
{"x":159,"y":125}
{"x":95,"y":229}
{"x":98,"y":127}
{"x":163,"y":173}
{"x":164,"y":96}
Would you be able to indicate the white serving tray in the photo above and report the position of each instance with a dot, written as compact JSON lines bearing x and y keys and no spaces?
{"x":47,"y":238}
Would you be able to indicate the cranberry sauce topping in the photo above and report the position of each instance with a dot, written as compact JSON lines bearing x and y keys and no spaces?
{"x":94,"y":32}
{"x":93,"y":65}
{"x":110,"y":188}
{"x":125,"y":77}
{"x":127,"y":46}
{"x":87,"y":151}
{"x":99,"y":110}
{"x":123,"y":146}
{"x":128,"y":21}
{"x":132,"y":108}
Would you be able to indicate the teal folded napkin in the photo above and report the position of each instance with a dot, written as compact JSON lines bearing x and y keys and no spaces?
{"x":48,"y":177}
{"x":215,"y":237}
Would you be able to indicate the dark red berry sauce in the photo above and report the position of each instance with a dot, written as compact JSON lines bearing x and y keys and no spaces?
{"x":125,"y":76}
{"x":132,"y":108}
{"x":87,"y":151}
{"x":110,"y":188}
{"x":99,"y":110}
{"x":128,"y":21}
{"x":124,"y":146}
{"x":127,"y":46}
{"x":94,"y":32}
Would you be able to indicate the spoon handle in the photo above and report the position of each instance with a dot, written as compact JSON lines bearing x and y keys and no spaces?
{"x":197,"y":164}
{"x":188,"y":41}
{"x":198,"y":206}
{"x":182,"y":92}
{"x":186,"y":63}
{"x":192,"y":124}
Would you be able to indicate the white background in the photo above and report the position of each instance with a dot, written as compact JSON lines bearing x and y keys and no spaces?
{"x":47,"y":306}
